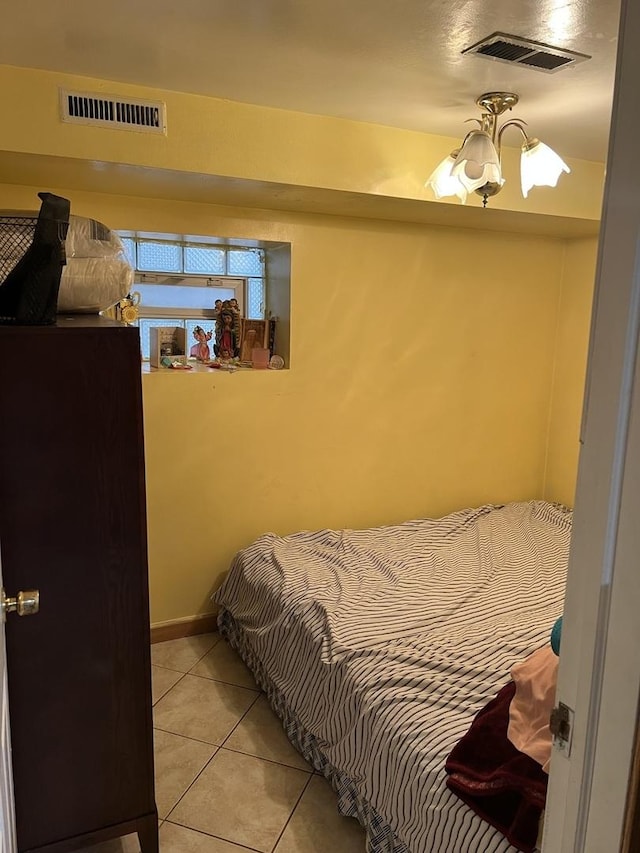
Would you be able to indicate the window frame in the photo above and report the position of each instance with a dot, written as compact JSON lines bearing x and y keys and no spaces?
{"x":236,"y":283}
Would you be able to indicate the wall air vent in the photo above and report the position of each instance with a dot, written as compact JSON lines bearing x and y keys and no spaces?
{"x":119,"y":113}
{"x":520,"y":51}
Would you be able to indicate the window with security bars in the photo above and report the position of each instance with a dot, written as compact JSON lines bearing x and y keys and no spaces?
{"x":180,"y":281}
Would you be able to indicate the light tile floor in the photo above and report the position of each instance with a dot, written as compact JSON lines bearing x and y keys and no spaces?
{"x":227,"y":778}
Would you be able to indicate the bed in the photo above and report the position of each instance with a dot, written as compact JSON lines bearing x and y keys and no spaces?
{"x":378,"y":647}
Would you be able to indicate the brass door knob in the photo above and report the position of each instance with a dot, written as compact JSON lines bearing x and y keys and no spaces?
{"x":25,"y":603}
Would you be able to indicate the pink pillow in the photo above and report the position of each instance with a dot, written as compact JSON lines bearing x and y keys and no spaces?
{"x":530,"y":709}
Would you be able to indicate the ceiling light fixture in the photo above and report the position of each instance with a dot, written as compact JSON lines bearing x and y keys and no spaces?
{"x":476,"y":166}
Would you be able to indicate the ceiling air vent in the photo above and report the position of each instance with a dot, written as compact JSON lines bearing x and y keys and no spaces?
{"x":106,"y":111}
{"x":519,"y":51}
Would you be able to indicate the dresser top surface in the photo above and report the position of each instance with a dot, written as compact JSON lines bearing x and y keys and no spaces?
{"x":67,"y":323}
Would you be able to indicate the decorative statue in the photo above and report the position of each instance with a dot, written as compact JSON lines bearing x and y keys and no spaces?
{"x":227,"y":345}
{"x":201,"y":349}
{"x":129,"y":308}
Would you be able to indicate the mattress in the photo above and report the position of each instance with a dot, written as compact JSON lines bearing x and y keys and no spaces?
{"x":378,"y":647}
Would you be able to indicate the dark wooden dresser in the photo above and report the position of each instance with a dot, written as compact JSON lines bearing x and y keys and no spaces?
{"x":73,"y":526}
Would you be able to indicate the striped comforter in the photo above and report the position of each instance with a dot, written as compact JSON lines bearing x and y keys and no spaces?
{"x":379,"y":646}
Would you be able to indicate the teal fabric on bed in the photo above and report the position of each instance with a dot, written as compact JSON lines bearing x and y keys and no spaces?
{"x":556,"y":634}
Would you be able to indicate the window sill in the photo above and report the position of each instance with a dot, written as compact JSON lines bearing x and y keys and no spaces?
{"x":197,"y":367}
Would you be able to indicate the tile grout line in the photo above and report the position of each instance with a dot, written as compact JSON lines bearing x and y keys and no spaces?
{"x":186,"y":737}
{"x":217,"y":748}
{"x":206,"y":678}
{"x":175,"y":684}
{"x":196,"y":663}
{"x":207,"y":652}
{"x":255,"y":689}
{"x":210,"y":835}
{"x":190,"y":786}
{"x":240,"y":720}
{"x":293,"y":811}
{"x":167,"y":668}
{"x":236,"y":751}
{"x":220,"y":837}
{"x":221,"y":639}
{"x":262,"y":758}
{"x":306,"y":785}
{"x":172,"y":809}
{"x":193,"y":674}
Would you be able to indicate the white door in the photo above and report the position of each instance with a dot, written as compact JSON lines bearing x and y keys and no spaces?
{"x":599,"y":675}
{"x":7,"y":827}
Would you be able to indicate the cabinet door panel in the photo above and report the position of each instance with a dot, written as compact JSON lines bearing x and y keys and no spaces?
{"x":73,"y":526}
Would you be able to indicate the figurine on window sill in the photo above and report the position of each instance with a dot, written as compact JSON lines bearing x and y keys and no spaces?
{"x":128,"y":308}
{"x":227,"y":334}
{"x":200,"y":351}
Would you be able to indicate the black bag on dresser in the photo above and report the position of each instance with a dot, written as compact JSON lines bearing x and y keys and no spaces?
{"x":31,"y":259}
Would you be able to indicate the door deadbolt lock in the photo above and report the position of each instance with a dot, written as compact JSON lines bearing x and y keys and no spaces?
{"x":25,"y":603}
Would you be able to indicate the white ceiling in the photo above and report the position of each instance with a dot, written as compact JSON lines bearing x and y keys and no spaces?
{"x":393,"y":62}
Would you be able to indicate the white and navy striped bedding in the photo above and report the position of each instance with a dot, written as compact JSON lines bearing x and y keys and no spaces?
{"x":379,"y":646}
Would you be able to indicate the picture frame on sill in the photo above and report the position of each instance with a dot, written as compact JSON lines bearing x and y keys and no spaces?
{"x":255,"y":334}
{"x":167,"y":342}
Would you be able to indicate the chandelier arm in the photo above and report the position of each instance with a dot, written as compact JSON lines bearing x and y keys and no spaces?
{"x":514,"y":122}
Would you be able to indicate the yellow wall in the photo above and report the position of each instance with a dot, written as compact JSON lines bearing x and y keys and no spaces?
{"x":574,"y":317}
{"x":421,"y":383}
{"x":210,"y":136}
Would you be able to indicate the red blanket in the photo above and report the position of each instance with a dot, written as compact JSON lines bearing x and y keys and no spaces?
{"x":503,"y":785}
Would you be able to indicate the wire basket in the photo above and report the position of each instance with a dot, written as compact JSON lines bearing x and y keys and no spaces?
{"x":31,"y":260}
{"x":16,"y":235}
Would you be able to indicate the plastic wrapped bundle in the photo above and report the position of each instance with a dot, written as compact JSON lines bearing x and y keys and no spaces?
{"x":88,"y":238}
{"x":89,"y":285}
{"x":97,"y":274}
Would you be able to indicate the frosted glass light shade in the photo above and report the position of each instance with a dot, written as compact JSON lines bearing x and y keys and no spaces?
{"x":540,"y":166}
{"x":443,"y":183}
{"x":477,"y":162}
